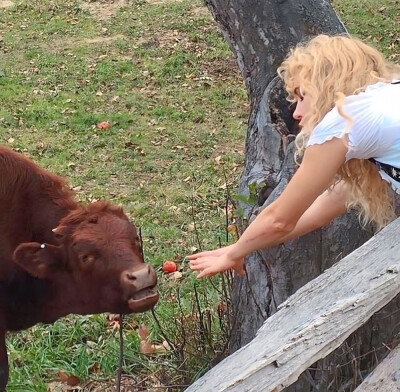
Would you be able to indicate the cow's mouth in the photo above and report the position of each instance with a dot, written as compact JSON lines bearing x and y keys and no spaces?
{"x":143,"y":300}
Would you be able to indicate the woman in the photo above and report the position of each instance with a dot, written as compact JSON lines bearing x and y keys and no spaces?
{"x":348,"y":107}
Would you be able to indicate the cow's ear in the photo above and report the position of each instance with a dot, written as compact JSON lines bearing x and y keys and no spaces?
{"x":39,"y":260}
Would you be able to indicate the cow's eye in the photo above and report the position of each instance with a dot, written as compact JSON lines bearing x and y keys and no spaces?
{"x":86,"y":259}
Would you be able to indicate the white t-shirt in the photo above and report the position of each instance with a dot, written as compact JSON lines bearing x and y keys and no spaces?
{"x":376,"y":126}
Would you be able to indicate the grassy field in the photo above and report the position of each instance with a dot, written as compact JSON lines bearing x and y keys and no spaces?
{"x":161,"y":74}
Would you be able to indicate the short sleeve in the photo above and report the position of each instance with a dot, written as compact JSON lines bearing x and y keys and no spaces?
{"x":363,"y":132}
{"x":331,"y":126}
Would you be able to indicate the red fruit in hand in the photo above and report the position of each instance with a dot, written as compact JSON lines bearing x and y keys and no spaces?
{"x":169,"y":266}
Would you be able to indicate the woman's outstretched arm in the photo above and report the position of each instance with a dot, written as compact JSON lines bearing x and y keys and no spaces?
{"x":302,"y":207}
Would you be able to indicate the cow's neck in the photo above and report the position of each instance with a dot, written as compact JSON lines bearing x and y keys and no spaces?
{"x":80,"y":300}
{"x":26,"y":301}
{"x":3,"y":360}
{"x":23,"y":299}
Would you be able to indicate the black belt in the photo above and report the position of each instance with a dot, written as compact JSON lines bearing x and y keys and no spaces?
{"x":391,"y":171}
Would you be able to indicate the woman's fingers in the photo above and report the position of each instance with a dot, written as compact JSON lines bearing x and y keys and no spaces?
{"x":209,"y":253}
{"x":206,"y":253}
{"x":211,"y":271}
{"x":201,"y":254}
{"x":202,"y":263}
{"x":206,"y":272}
{"x":209,"y":263}
{"x":210,"y":266}
{"x":194,"y":256}
{"x":195,"y":265}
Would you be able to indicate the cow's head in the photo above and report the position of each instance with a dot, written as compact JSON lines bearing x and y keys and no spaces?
{"x":95,"y":265}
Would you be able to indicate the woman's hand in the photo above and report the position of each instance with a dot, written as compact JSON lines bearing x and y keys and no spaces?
{"x":210,"y":263}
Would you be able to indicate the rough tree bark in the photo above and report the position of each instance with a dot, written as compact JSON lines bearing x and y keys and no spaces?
{"x":260,"y":34}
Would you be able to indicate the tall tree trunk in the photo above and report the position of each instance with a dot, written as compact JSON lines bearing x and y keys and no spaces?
{"x":260,"y":34}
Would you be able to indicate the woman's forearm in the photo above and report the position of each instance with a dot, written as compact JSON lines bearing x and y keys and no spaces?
{"x":266,"y":231}
{"x":299,"y":209}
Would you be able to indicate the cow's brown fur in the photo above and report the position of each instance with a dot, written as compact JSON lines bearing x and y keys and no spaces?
{"x":90,"y":264}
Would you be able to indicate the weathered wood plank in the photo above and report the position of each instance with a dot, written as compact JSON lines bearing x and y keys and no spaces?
{"x":386,"y":376}
{"x":314,"y":321}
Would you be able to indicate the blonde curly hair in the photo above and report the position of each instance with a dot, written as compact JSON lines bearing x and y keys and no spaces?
{"x":329,"y":68}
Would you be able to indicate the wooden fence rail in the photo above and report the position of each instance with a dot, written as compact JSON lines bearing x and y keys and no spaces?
{"x":314,"y":321}
{"x":386,"y":376}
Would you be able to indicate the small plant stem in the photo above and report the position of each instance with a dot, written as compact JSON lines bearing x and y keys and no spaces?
{"x":121,"y":354}
{"x":194,"y":223}
{"x":162,"y":332}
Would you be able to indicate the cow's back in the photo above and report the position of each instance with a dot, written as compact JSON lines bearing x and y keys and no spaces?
{"x":32,"y":201}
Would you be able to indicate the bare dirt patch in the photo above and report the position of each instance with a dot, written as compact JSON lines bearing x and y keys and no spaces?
{"x":173,"y":40}
{"x":95,"y":40}
{"x":157,"y":2}
{"x":200,"y":11}
{"x":66,"y":44}
{"x":6,"y":3}
{"x":104,"y":10}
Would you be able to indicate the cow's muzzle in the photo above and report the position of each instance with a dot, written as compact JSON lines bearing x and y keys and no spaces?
{"x":139,"y":285}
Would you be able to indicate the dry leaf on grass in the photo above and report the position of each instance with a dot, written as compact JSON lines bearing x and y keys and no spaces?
{"x":70,"y":379}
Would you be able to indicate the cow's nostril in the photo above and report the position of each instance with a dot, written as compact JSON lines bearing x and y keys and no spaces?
{"x":131,"y":277}
{"x":142,"y":278}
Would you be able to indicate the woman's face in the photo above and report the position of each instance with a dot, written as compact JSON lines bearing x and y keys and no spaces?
{"x":303,"y":105}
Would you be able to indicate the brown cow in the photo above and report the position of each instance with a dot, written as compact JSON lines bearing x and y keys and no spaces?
{"x":91,"y":262}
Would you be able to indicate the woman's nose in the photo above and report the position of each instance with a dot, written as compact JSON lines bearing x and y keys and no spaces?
{"x":297,"y":115}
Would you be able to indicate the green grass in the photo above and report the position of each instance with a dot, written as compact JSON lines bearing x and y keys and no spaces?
{"x":166,"y":81}
{"x":163,"y":76}
{"x":377,"y":22}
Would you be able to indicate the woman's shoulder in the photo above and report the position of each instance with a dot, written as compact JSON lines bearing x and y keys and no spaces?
{"x":371,"y":95}
{"x":365,"y":107}
{"x":392,"y":87}
{"x":363,"y":115}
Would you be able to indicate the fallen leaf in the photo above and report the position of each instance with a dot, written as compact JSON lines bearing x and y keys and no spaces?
{"x":232,"y":229}
{"x":222,"y":309}
{"x":143,"y":332}
{"x":146,"y":347}
{"x":103,"y":125}
{"x":113,"y":321}
{"x":217,"y":160}
{"x":70,"y":380}
{"x":95,"y":368}
{"x":175,"y":275}
{"x":162,"y":348}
